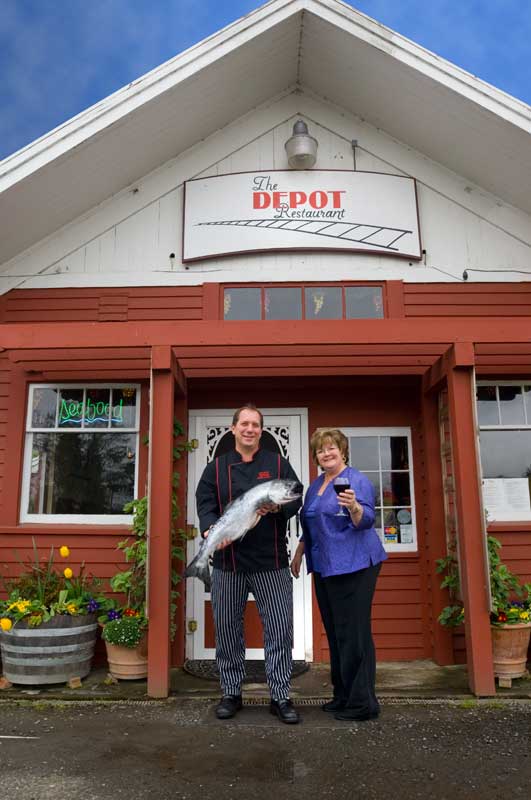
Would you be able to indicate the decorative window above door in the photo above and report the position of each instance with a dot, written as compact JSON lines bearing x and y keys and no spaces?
{"x":302,"y":302}
{"x":80,"y":461}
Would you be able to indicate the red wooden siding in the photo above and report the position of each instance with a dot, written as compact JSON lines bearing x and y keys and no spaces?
{"x":467,"y":299}
{"x":503,"y":360}
{"x":102,"y":305}
{"x":4,"y":396}
{"x":204,"y":302}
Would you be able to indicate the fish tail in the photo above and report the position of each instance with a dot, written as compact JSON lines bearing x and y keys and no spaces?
{"x":197,"y":570}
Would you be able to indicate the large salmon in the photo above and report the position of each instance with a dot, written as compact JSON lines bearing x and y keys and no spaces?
{"x":239,"y":517}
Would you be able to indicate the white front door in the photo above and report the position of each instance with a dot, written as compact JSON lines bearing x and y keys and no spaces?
{"x":287,"y":431}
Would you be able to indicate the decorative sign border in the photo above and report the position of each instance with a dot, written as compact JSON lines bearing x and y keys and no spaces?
{"x":361,"y":212}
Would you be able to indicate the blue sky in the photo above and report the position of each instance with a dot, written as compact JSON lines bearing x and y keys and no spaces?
{"x":58,"y":57}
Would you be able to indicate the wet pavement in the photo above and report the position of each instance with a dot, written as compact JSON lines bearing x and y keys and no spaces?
{"x":446,"y":749}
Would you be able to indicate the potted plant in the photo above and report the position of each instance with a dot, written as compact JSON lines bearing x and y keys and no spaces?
{"x":510,"y":618}
{"x":48,"y":623}
{"x":125,"y":639}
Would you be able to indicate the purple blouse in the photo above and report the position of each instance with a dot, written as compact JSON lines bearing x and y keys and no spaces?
{"x":343,"y":547}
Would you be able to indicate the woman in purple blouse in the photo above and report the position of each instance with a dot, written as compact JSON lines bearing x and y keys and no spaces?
{"x":344,"y":552}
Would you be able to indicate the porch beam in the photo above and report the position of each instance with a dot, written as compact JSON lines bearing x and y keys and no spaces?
{"x":162,"y":403}
{"x":471,"y":533}
{"x":212,"y":333}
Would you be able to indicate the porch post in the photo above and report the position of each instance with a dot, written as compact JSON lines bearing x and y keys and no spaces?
{"x":162,"y":398}
{"x":471,"y":536}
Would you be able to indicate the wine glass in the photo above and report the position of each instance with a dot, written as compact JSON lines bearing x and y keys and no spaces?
{"x":340,"y":484}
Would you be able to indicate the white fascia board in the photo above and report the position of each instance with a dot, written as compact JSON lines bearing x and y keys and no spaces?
{"x":118,"y":105}
{"x":424,"y":61}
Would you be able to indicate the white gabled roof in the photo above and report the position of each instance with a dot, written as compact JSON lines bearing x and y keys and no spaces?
{"x":325,"y":46}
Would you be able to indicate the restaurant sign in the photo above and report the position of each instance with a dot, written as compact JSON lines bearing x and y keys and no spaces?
{"x":363,"y":212}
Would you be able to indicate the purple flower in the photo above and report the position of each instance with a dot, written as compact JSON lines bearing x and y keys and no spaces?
{"x":112,"y":614}
{"x":92,"y":606}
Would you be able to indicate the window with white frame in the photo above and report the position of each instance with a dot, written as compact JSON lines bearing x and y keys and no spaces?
{"x":384,"y":456}
{"x":80,"y":460}
{"x":504,"y":419}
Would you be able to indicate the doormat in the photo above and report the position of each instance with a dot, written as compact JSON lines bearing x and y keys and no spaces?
{"x":255,"y":670}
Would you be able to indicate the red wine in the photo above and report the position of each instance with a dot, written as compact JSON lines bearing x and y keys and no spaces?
{"x":340,"y":487}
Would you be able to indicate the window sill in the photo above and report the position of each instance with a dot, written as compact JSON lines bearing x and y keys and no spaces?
{"x":49,"y":528}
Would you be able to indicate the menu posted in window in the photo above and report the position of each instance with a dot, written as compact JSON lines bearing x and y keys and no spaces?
{"x":507,"y":498}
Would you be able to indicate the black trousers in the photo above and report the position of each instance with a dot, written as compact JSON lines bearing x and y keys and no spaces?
{"x":345,"y":603}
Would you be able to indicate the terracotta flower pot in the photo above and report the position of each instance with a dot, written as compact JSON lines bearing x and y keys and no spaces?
{"x":128,"y":663}
{"x":510,"y":644}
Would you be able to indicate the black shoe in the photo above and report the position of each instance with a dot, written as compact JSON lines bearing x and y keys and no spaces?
{"x":284,"y":711}
{"x":349,"y":715}
{"x":334,"y":705}
{"x":228,"y":706}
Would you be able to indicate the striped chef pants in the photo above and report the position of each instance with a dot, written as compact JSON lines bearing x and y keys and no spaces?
{"x":274,"y":599}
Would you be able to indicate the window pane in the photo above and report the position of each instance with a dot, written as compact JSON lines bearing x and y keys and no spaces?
{"x":364,"y":302}
{"x":97,"y":408}
{"x":391,"y":528}
{"x":323,"y":302}
{"x":527,"y":400}
{"x":283,"y":303}
{"x":511,"y":405}
{"x":398,"y":526}
{"x":364,"y":452}
{"x":394,"y":452}
{"x":396,"y":490}
{"x":44,"y":408}
{"x":242,"y":304}
{"x":506,"y":454}
{"x":374,"y":478}
{"x":487,"y":405}
{"x":123,"y":408}
{"x":71,"y":408}
{"x":84,"y":473}
{"x":378,"y":523}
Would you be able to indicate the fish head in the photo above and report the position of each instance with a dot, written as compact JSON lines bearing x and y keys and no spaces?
{"x":284,"y":491}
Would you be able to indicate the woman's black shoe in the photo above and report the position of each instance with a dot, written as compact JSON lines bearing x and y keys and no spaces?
{"x":228,"y":706}
{"x":284,"y":711}
{"x":334,"y":705}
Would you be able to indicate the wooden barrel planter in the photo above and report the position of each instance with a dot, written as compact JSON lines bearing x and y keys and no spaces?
{"x":55,"y":652}
{"x":509,"y":651}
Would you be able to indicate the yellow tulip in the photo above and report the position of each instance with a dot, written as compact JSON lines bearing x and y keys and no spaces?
{"x":64,"y":551}
{"x":6,"y":624}
{"x":67,"y":573}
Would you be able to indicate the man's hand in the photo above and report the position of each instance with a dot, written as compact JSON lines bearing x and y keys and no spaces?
{"x":224,"y":543}
{"x":267,"y":509}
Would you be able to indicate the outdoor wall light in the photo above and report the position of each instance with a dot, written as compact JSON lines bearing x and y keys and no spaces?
{"x":301,"y":148}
